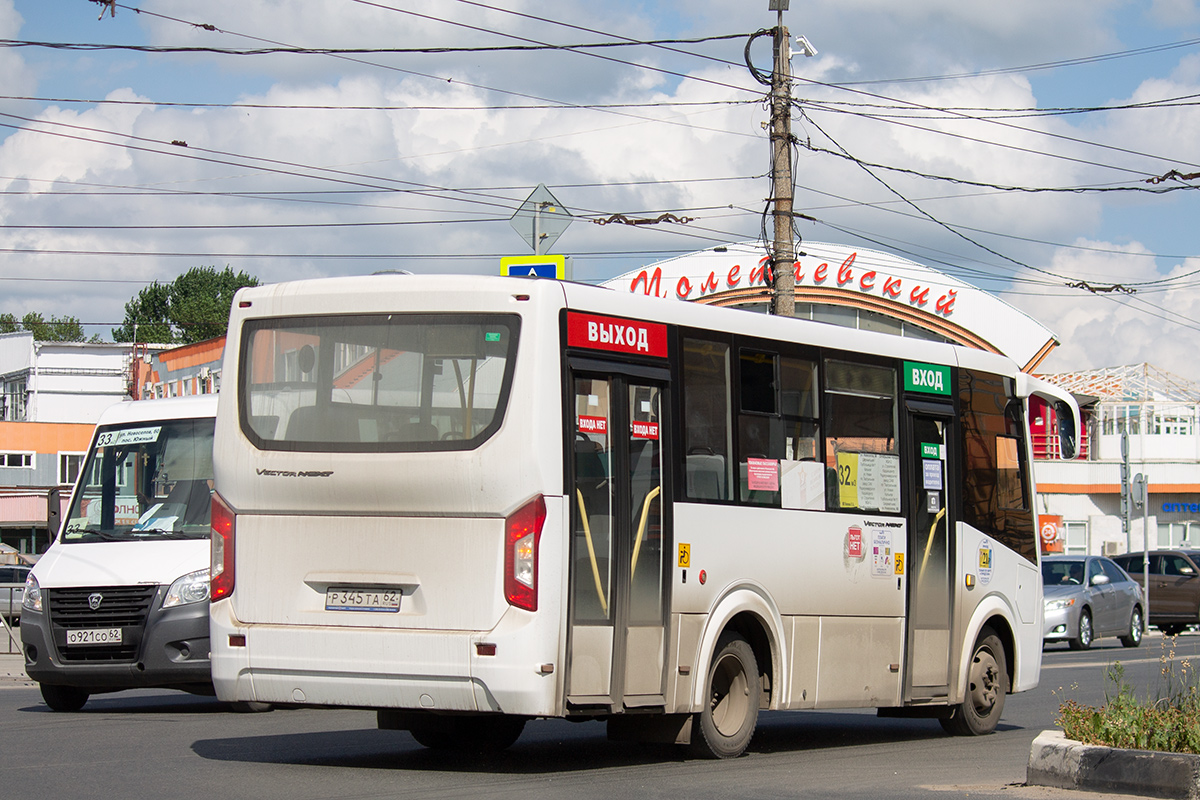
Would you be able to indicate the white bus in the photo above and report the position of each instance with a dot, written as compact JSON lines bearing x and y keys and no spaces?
{"x":468,"y":502}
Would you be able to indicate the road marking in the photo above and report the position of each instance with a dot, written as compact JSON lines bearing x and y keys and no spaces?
{"x":1046,"y":666}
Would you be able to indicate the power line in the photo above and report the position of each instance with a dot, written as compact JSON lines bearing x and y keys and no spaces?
{"x":1069,"y":62}
{"x":229,"y":51}
{"x":998,"y":187}
{"x":936,"y":221}
{"x":950,"y":112}
{"x":317,"y":107}
{"x":1048,"y":134}
{"x":882,"y":206}
{"x":442,"y":78}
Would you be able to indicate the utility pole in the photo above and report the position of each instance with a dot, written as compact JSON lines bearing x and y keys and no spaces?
{"x":783,"y":252}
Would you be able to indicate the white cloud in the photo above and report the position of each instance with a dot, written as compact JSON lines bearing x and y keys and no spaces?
{"x":384,"y":155}
{"x":1113,"y":328}
{"x":1174,"y":12}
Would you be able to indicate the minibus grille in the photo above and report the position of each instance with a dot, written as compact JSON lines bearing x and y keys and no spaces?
{"x":125,"y":607}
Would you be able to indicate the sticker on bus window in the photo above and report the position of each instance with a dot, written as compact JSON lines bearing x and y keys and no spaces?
{"x":128,"y":436}
{"x":644,"y":430}
{"x":590,"y":424}
{"x":931,"y":472}
{"x":762,"y":474}
{"x":491,"y":336}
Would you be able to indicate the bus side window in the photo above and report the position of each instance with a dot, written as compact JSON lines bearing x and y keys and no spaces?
{"x":994,"y":472}
{"x":707,"y":419}
{"x":861,"y":420}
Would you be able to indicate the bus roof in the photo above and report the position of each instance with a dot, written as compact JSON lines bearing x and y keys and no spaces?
{"x":458,"y":293}
{"x":193,"y":407}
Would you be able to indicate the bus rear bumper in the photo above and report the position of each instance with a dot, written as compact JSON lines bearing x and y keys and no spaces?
{"x":436,"y":671}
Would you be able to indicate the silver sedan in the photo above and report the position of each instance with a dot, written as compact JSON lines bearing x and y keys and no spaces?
{"x":1087,"y":597}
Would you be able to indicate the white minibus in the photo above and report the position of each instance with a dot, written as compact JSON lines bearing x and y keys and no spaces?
{"x":469,"y":502}
{"x":120,"y":599}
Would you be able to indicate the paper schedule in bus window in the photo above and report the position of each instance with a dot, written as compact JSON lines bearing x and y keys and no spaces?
{"x":869,"y":481}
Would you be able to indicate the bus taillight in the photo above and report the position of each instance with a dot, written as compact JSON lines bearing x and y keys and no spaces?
{"x":222,"y":550}
{"x":522,"y":530}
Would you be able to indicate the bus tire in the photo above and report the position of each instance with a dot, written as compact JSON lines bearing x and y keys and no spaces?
{"x":489,"y":734}
{"x":987,"y":683}
{"x":63,"y":698}
{"x":732,"y":693}
{"x":250,"y":707}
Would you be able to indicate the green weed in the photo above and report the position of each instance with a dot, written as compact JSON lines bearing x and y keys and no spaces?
{"x":1168,"y":722}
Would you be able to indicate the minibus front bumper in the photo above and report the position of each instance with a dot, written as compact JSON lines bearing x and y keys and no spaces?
{"x":173,"y":653}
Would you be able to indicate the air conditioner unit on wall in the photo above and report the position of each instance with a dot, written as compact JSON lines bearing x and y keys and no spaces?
{"x":1112,"y":548}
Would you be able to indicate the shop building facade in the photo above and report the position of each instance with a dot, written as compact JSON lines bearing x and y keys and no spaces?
{"x":1152,"y":415}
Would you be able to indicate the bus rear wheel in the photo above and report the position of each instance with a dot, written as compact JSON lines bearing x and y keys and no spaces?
{"x":733,"y":691}
{"x":488,"y":734}
{"x":987,"y":683}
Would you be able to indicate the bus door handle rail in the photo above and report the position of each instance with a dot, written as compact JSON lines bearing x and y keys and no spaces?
{"x":642,"y":528}
{"x":587,"y":535}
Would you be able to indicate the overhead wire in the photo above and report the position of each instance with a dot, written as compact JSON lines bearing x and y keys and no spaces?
{"x":480,"y":4}
{"x":1045,"y":65}
{"x":230,"y":51}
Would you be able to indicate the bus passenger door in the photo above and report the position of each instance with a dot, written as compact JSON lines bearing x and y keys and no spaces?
{"x":617,"y":642}
{"x":930,"y":553}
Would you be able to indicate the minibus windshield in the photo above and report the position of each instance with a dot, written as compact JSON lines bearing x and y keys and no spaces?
{"x":147,"y":480}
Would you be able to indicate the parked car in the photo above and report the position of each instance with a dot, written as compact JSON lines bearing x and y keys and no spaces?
{"x":1174,"y":586}
{"x":12,"y":590}
{"x":1087,"y":597}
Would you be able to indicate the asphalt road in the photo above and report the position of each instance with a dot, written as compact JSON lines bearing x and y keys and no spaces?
{"x":170,"y":745}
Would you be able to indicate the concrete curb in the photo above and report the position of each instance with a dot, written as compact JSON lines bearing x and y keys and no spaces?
{"x":1057,"y":761}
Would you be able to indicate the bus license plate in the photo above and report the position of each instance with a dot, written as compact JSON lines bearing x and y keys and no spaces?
{"x":339,"y":599}
{"x":94,"y":636}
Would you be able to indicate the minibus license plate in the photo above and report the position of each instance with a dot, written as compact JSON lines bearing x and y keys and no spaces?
{"x":94,"y":636}
{"x":339,"y":599}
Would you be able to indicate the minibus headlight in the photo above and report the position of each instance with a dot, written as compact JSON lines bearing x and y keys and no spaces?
{"x":33,"y":594}
{"x":190,"y":588}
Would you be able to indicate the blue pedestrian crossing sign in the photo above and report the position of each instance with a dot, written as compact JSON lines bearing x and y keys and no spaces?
{"x":534,"y":266}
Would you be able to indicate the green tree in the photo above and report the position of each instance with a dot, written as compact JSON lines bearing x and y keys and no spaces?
{"x":191,"y":308}
{"x":55,"y":329}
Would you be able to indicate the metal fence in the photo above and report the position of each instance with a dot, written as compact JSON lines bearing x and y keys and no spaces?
{"x":11,"y":595}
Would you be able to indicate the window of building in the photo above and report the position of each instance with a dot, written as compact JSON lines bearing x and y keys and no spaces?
{"x":68,"y":467}
{"x":1179,"y":534}
{"x":1075,"y":537}
{"x":12,"y":401}
{"x":17,"y":460}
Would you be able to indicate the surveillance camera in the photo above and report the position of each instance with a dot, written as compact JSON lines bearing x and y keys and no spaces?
{"x":806,"y":46}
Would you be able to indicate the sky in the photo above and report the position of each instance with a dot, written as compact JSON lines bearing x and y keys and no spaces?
{"x":1010,"y":145}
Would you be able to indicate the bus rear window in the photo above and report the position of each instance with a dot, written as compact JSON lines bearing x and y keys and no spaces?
{"x":378,"y":382}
